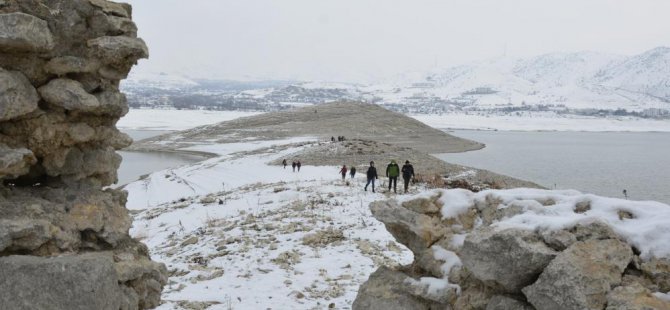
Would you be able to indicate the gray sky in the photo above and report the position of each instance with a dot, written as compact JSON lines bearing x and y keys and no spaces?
{"x":358,"y":40}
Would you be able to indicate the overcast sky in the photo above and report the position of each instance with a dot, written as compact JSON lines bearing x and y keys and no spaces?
{"x":357,"y":40}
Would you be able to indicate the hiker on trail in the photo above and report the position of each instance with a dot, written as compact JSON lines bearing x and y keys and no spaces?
{"x":299,"y":164}
{"x":392,"y":172}
{"x":294,"y":164}
{"x":332,"y":139}
{"x":352,"y":171}
{"x":407,"y":173}
{"x":372,"y":176}
{"x":283,"y":162}
{"x":343,"y":172}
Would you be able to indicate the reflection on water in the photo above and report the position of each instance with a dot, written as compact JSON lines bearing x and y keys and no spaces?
{"x":603,"y":163}
{"x":137,"y":164}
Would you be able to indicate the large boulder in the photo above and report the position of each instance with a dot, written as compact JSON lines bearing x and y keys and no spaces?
{"x":20,"y":32}
{"x":69,"y":282}
{"x":508,"y":260}
{"x":580,"y":277}
{"x":18,"y":97}
{"x":417,"y":231}
{"x":383,"y":291}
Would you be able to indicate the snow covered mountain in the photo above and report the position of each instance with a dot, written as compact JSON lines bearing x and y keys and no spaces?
{"x":580,"y":82}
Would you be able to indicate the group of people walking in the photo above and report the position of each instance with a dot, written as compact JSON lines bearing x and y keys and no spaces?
{"x":339,"y":139}
{"x":295,"y":164}
{"x":393,"y":171}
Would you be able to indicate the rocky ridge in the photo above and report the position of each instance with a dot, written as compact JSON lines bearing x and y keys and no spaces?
{"x":60,"y":67}
{"x":521,"y":249}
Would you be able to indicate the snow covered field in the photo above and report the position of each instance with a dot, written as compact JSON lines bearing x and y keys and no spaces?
{"x":155,"y":119}
{"x":160,"y":119}
{"x":239,"y":234}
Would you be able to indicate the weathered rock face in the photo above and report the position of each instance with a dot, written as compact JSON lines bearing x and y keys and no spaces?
{"x":64,"y":241}
{"x":470,"y":257}
{"x":581,"y":276}
{"x":509,"y":259}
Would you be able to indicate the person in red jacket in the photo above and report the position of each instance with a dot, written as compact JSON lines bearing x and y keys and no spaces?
{"x":343,"y":172}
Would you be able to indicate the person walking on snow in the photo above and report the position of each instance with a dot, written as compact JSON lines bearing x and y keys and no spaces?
{"x":392,"y":172}
{"x":352,"y":171}
{"x":372,"y":176}
{"x":407,"y":173}
{"x":343,"y":172}
{"x":294,"y":164}
{"x":283,"y":162}
{"x":299,"y":164}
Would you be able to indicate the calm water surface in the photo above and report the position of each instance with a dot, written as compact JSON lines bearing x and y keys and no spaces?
{"x":136,"y":164}
{"x":603,"y":163}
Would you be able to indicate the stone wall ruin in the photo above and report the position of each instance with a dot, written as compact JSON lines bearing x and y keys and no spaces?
{"x":64,"y":241}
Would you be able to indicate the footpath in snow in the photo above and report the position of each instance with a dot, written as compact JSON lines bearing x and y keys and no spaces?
{"x":238,"y":233}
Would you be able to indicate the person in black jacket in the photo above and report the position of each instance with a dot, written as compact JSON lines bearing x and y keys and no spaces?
{"x":372,"y":176}
{"x":407,"y":173}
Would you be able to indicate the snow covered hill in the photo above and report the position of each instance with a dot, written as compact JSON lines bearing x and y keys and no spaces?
{"x":582,"y":83}
{"x":580,"y":80}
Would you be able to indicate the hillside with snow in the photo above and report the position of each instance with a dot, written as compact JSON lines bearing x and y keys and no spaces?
{"x":581,"y":80}
{"x":581,"y":83}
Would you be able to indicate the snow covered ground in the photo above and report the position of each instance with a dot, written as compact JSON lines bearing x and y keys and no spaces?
{"x":157,"y":119}
{"x":165,"y":119}
{"x":239,"y":234}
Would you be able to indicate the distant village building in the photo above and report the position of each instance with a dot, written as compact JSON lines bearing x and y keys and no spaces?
{"x":481,"y":91}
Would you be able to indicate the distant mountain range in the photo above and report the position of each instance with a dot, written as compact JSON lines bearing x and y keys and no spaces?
{"x":581,"y":80}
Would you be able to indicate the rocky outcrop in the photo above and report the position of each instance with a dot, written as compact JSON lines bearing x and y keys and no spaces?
{"x":64,"y":241}
{"x":519,"y":249}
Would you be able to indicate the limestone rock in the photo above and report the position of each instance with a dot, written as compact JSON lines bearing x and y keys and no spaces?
{"x":659,"y":271}
{"x":25,"y":235}
{"x":422,"y":205}
{"x":70,"y":95}
{"x":81,"y":132}
{"x":508,"y":259}
{"x":119,"y":49}
{"x":581,"y":276}
{"x":634,"y":297}
{"x":112,"y":8}
{"x":70,"y":64}
{"x":24,"y":33}
{"x":558,"y":240}
{"x":18,"y":97}
{"x":112,"y":103}
{"x":382,"y":292}
{"x":72,"y":282}
{"x":15,"y":162}
{"x":500,"y":302}
{"x":417,"y":231}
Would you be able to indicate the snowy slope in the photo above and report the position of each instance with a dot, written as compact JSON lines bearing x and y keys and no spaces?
{"x":576,"y":80}
{"x":647,"y":73}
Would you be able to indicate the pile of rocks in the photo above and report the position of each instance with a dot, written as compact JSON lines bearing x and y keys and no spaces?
{"x":465,"y":259}
{"x":64,"y":241}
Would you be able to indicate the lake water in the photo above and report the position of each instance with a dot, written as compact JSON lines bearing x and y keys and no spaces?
{"x":603,"y":163}
{"x":137,"y":164}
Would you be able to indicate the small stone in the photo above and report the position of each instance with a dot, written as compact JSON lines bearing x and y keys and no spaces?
{"x":190,"y":241}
